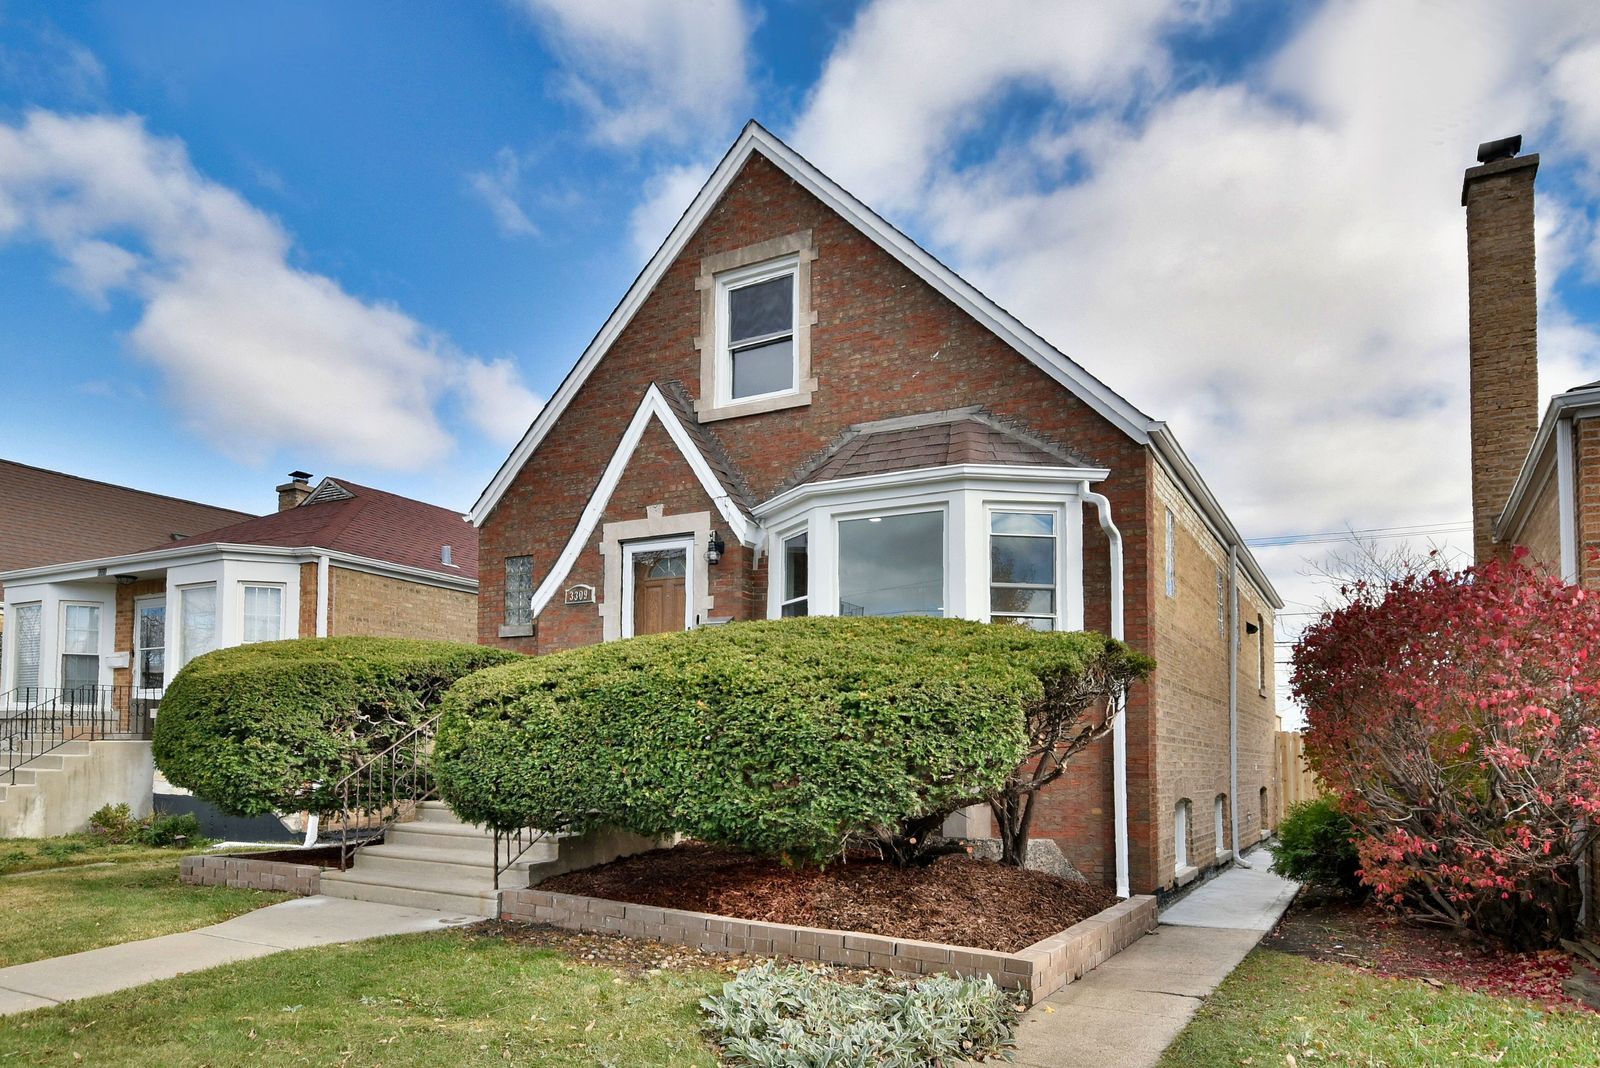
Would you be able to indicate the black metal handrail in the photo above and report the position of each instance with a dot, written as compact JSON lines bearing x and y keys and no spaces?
{"x":514,"y":844}
{"x":34,"y":720}
{"x":384,"y":788}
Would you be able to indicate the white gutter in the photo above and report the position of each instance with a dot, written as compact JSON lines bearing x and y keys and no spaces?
{"x":322,"y":596}
{"x":1233,"y":701}
{"x":1119,"y":714}
{"x":1563,"y":408}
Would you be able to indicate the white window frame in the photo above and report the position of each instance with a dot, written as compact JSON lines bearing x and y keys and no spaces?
{"x":1222,"y":825}
{"x":781,"y":568}
{"x":630,"y":549}
{"x":283,"y":609}
{"x":727,"y":282}
{"x":14,"y":647}
{"x":990,"y":507}
{"x":1181,"y":813}
{"x":61,"y":640}
{"x":139,"y":647}
{"x":184,"y":653}
{"x":884,"y":512}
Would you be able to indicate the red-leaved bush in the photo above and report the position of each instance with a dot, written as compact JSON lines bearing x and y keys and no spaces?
{"x":1456,"y":715}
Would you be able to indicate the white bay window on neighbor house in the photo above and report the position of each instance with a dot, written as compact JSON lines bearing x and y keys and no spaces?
{"x":263,"y":614}
{"x":80,"y":646}
{"x":28,"y":628}
{"x":198,"y":607}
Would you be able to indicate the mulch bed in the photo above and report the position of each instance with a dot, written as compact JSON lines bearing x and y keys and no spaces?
{"x":955,"y":900}
{"x":321,"y":856}
{"x":1377,"y":942}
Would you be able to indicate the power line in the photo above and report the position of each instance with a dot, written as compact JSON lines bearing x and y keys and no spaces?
{"x":1374,"y":533}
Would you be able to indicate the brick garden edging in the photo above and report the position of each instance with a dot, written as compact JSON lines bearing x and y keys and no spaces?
{"x":302,"y":879}
{"x":1041,"y":969}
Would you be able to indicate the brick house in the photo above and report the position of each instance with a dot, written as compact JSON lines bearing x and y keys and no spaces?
{"x":104,"y":635}
{"x":1535,"y":480}
{"x":796,"y":410}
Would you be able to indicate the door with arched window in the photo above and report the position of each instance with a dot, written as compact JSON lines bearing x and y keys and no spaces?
{"x":656,"y":582}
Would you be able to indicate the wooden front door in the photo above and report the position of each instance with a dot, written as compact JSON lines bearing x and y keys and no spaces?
{"x":660,"y":587}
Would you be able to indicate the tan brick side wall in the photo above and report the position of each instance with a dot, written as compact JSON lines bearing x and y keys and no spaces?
{"x":1541,"y":531}
{"x":302,"y":879}
{"x":1503,"y":314}
{"x":308,"y":600}
{"x":1191,"y":692}
{"x":1586,"y":477}
{"x":1041,"y":969}
{"x":885,"y":344}
{"x":385,"y":607}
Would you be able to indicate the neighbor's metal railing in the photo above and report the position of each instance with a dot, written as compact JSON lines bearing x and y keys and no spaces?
{"x":385,"y":788}
{"x":34,"y":720}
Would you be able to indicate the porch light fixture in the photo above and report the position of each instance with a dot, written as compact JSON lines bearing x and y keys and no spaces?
{"x":714,"y":548}
{"x":126,"y":580}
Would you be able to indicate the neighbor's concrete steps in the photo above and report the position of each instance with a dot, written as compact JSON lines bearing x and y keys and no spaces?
{"x":18,"y":801}
{"x":433,"y":862}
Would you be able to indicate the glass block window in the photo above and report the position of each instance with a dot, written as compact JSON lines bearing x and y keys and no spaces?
{"x":519,"y":591}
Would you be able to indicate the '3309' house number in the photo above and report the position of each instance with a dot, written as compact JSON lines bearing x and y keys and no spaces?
{"x":580,"y":594}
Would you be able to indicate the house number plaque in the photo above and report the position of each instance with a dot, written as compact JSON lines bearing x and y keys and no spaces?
{"x":580,"y":594}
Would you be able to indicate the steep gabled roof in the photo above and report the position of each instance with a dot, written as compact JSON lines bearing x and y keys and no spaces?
{"x":348,"y":518}
{"x":756,"y":139}
{"x":48,"y":517}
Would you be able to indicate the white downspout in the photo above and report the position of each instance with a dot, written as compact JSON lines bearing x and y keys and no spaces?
{"x":1119,"y":718}
{"x":1233,"y":702}
{"x":322,"y":596}
{"x":322,"y":632}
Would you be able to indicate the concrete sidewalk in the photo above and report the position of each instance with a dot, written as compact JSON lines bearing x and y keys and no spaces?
{"x":297,"y":924}
{"x":1127,"y":1011}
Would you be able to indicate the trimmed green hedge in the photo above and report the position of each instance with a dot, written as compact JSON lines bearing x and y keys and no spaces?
{"x":788,"y":737}
{"x":250,"y":728}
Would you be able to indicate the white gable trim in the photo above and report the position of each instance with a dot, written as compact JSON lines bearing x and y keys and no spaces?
{"x":653,"y":405}
{"x":755,"y":139}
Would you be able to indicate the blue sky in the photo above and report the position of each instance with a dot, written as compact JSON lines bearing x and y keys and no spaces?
{"x":367,"y":238}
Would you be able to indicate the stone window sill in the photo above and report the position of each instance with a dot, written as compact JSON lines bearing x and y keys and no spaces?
{"x":1186,"y":875}
{"x":708,"y":413}
{"x":516,"y":630}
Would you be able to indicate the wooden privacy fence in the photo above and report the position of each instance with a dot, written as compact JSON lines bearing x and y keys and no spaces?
{"x":1295,"y":779}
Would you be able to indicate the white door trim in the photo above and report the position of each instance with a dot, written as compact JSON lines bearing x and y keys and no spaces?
{"x":686,"y":542}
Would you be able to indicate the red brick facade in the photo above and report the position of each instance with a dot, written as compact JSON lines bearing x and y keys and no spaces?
{"x":884,"y":344}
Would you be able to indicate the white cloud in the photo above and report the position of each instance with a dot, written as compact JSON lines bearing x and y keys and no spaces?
{"x":650,"y":69}
{"x":1274,"y":264}
{"x":499,"y":188}
{"x":912,"y":76}
{"x":496,"y":401}
{"x":256,"y":353}
{"x":666,"y":197}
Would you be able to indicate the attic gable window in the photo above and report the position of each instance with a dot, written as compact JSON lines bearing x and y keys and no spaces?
{"x":755,"y":328}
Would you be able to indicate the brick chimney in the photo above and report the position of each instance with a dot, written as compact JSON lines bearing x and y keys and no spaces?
{"x":1503,"y":310}
{"x":294,"y":492}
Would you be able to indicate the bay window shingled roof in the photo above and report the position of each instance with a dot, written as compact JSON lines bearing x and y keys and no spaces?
{"x":933,"y":439}
{"x":363,"y":522}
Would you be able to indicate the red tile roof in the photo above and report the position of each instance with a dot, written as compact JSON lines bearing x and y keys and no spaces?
{"x":47,"y":517}
{"x":368,"y":522}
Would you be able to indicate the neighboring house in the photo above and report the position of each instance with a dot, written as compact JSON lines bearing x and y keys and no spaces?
{"x":106,"y":635}
{"x":796,"y":410}
{"x":48,"y":516}
{"x":1535,"y":482}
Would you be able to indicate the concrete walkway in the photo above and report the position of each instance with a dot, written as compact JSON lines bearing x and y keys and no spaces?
{"x":1127,"y":1011}
{"x":297,"y":924}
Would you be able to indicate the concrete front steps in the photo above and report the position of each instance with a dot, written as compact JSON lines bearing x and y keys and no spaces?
{"x":22,"y":806}
{"x":434,"y":862}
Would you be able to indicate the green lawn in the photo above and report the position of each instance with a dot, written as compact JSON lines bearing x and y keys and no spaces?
{"x":49,"y":913}
{"x":1276,"y":1004}
{"x":39,"y":854}
{"x":449,"y":998}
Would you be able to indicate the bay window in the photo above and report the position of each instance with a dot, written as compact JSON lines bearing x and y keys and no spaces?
{"x":198,"y":606}
{"x":892,"y":565}
{"x":263,"y":614}
{"x":80,"y":646}
{"x":796,"y":576}
{"x":27,"y":627}
{"x":1022,"y":568}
